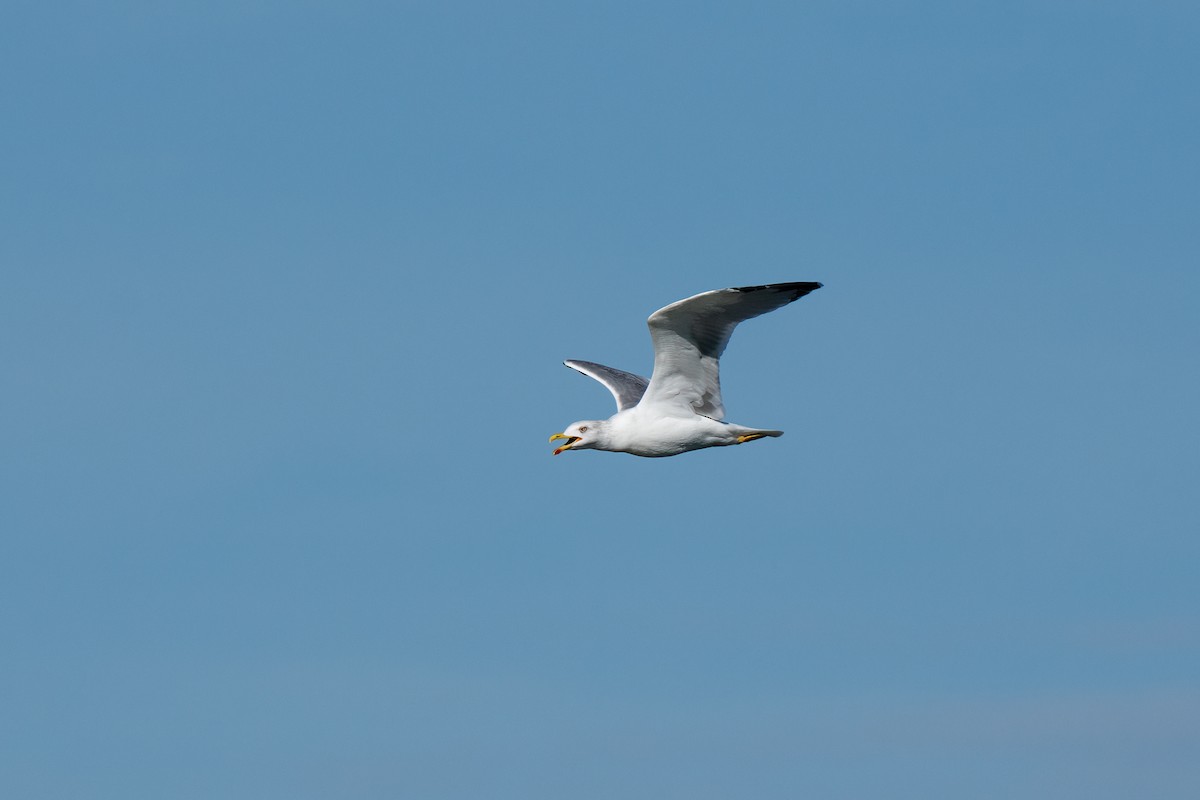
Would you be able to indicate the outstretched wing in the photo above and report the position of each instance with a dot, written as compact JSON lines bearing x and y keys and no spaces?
{"x":690,"y":336}
{"x":626,"y":387}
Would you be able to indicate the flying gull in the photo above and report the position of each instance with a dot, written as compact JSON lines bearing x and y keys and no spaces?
{"x":679,"y":408}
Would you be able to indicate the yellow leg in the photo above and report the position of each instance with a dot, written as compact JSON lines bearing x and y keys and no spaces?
{"x":750,"y":437}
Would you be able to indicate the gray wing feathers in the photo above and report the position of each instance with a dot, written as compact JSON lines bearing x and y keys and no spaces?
{"x":626,"y":387}
{"x":690,"y":336}
{"x":708,"y":319}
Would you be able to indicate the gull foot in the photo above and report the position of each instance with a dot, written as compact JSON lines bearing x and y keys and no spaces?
{"x":750,"y":437}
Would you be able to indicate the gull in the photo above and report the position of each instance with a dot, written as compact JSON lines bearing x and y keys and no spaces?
{"x":679,"y":408}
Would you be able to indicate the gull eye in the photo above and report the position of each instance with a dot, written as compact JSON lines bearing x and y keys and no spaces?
{"x":583,"y":428}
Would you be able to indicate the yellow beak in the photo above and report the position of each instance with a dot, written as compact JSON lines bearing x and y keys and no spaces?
{"x":571,"y":440}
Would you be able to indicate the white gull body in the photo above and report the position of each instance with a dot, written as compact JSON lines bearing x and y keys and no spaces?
{"x":679,"y":408}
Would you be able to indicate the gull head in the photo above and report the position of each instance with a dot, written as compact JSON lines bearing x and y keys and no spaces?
{"x":579,"y":436}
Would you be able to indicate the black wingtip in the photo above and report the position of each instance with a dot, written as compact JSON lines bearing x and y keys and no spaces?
{"x":796,"y":288}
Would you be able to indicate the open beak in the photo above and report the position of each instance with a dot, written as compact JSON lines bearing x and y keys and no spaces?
{"x":570,"y":441}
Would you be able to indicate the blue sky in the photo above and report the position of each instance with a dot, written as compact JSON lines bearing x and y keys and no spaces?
{"x":286,"y":291}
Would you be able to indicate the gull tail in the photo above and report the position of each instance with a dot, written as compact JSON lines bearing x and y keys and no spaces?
{"x":745,"y":434}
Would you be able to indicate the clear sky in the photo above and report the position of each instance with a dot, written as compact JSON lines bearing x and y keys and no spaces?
{"x":285,"y":291}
